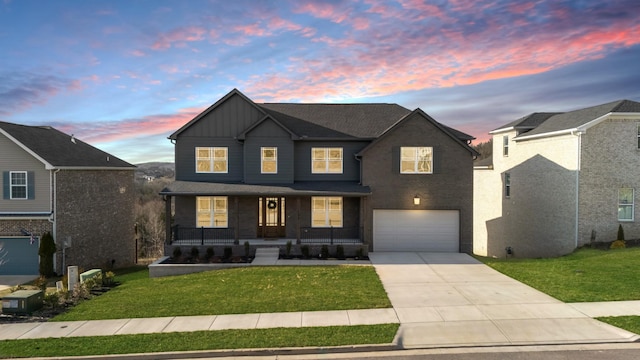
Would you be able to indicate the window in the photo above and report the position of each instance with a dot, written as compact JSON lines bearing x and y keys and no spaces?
{"x":211,"y":160}
{"x":638,"y":136}
{"x":326,"y":211}
{"x":505,"y":145}
{"x":326,"y":160}
{"x":18,"y":185}
{"x":269,"y":160}
{"x":416,"y":160}
{"x":211,"y":211}
{"x":507,"y":185}
{"x":625,"y":204}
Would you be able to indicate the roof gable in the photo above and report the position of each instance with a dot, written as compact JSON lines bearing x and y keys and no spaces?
{"x":418,"y":112}
{"x":257,"y":124}
{"x":56,"y":149}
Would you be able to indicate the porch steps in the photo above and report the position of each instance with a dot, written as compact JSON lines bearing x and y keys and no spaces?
{"x":266,"y":256}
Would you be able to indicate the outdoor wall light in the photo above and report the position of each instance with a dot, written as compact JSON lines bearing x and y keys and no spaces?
{"x":416,"y":200}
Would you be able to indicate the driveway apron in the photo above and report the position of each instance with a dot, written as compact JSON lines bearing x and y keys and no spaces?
{"x":451,"y":299}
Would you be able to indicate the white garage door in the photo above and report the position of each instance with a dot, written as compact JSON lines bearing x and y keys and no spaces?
{"x":416,"y":230}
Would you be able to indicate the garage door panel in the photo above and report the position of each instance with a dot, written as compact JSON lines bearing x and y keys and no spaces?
{"x":20,"y":256}
{"x":416,"y":230}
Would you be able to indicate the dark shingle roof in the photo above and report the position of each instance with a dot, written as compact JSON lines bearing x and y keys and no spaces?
{"x":331,"y":188}
{"x":529,"y":121}
{"x":354,"y":120}
{"x":577,"y":118}
{"x":58,"y":149}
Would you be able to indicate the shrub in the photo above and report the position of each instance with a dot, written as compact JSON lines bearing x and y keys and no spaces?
{"x":247,"y":249}
{"x":287,"y":249}
{"x":46,"y":251}
{"x":340,"y":252}
{"x":305,"y":251}
{"x":618,"y":244}
{"x":359,"y":253}
{"x":41,"y":283}
{"x":177,"y":252}
{"x":195,"y":253}
{"x":324,"y":252}
{"x":620,"y":233}
{"x":228,"y":252}
{"x":108,"y":278}
{"x":210,"y":253}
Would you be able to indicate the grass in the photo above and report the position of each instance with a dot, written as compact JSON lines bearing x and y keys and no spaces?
{"x":200,"y":340}
{"x":629,"y":323}
{"x":587,"y":275}
{"x":236,"y":291}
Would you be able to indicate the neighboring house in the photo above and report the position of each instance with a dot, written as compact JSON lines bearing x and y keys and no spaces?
{"x":374,"y":174}
{"x":52,"y":182}
{"x":558,"y":181}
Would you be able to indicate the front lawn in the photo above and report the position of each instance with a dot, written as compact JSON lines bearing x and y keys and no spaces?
{"x":200,"y":340}
{"x":586,"y":275}
{"x":236,"y":291}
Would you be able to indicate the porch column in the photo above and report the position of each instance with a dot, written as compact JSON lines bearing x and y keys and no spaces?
{"x":236,"y":233}
{"x":167,"y":219}
{"x":298,"y":220}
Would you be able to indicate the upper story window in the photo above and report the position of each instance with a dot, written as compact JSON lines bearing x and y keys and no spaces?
{"x":211,"y":160}
{"x":638,"y":136}
{"x":625,"y":204}
{"x":507,"y":185}
{"x":269,"y":164}
{"x":212,"y":211}
{"x":326,"y":160}
{"x":326,"y":211}
{"x":416,"y":160}
{"x":505,"y":145}
{"x":18,"y":185}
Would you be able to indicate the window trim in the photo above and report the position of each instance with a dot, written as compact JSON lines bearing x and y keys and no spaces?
{"x":212,"y":159}
{"x":505,"y":145}
{"x":416,"y":160}
{"x":507,"y":185}
{"x":631,"y":204}
{"x":327,"y":211}
{"x":25,"y":185}
{"x":638,"y":134}
{"x":263,"y":161}
{"x":327,"y":160}
{"x":213,"y":210}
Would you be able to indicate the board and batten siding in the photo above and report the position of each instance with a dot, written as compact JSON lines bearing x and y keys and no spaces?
{"x":14,"y":158}
{"x":229,"y":119}
{"x":350,"y":166}
{"x":268,"y":134}
{"x":185,"y":154}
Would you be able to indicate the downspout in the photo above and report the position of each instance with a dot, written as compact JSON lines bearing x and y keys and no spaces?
{"x":52,"y":217}
{"x":577,"y":133}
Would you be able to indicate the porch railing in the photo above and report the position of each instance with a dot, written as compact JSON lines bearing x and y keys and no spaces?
{"x":330,"y":235}
{"x":201,"y":235}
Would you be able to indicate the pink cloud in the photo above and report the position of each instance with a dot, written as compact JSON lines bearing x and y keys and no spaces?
{"x":179,"y":36}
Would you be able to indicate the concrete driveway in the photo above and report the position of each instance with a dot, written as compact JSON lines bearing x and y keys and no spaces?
{"x":9,"y":281}
{"x":450,"y":299}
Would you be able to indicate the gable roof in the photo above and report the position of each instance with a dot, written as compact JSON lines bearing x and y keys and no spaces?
{"x":360,"y":121}
{"x":58,"y":150}
{"x":543,"y":124}
{"x":424,"y":115}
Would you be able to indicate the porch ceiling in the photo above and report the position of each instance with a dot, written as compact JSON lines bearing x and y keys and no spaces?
{"x":329,"y":188}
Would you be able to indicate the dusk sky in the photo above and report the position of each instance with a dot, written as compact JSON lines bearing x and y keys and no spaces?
{"x":123,"y":75}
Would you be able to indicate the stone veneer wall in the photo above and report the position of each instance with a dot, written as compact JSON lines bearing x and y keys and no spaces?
{"x":13,"y":227}
{"x":95,"y":210}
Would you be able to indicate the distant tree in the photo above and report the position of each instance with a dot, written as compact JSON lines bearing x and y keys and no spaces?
{"x":150,"y":218}
{"x":46,"y":251}
{"x":485,"y":149}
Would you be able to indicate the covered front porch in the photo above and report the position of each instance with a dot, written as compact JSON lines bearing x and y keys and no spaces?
{"x":302,"y":213}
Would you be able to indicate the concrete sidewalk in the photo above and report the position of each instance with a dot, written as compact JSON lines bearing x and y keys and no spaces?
{"x":454,"y":300}
{"x":440,"y":300}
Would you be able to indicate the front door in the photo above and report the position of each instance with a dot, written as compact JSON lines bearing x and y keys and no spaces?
{"x":271,"y":217}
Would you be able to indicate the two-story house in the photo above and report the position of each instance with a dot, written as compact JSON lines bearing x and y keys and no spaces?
{"x":374,"y":174}
{"x":53,"y":182}
{"x":558,"y":181}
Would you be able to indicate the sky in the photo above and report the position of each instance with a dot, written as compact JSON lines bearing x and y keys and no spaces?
{"x":124,"y":75}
